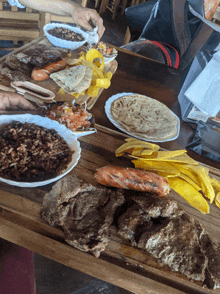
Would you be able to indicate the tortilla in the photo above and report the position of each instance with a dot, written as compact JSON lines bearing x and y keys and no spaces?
{"x":73,"y":79}
{"x":145,"y":117}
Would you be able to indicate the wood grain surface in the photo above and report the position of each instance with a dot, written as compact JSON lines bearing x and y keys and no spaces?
{"x":130,"y":268}
{"x":121,"y":265}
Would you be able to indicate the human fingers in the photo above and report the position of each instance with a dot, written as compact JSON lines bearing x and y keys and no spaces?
{"x":10,"y":100}
{"x":98,"y":21}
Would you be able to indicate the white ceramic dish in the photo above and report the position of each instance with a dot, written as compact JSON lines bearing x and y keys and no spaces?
{"x":68,"y":136}
{"x":107,"y":58}
{"x":120,"y":127}
{"x":81,"y":133}
{"x":89,"y":37}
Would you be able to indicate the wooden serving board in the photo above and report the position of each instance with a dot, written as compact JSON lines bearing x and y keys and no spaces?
{"x":51,"y":85}
{"x":120,"y":264}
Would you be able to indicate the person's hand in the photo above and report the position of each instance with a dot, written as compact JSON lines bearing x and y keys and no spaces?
{"x":13,"y":101}
{"x":86,"y":17}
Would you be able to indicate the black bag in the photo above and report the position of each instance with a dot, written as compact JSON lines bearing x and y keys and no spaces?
{"x":206,"y":142}
{"x":171,"y":22}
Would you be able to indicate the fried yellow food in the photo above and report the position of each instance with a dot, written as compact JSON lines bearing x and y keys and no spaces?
{"x":189,"y":179}
{"x":189,"y":193}
{"x":95,"y":61}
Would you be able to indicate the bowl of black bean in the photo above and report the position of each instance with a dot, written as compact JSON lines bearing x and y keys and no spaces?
{"x":35,"y":151}
{"x":65,"y":36}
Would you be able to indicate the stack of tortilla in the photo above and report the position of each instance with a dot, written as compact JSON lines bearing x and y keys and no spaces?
{"x":75,"y":79}
{"x":145,"y":117}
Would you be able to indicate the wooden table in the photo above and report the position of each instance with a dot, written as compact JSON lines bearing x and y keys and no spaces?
{"x":120,"y":264}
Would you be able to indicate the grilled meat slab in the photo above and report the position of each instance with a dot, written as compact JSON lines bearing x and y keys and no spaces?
{"x":83,"y":211}
{"x":173,"y":237}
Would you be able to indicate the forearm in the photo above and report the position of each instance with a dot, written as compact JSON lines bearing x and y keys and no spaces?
{"x":58,"y":7}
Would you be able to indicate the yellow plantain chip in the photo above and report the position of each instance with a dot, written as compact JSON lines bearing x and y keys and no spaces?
{"x":189,"y":193}
{"x":93,"y":54}
{"x":103,"y":83}
{"x":93,"y":91}
{"x":217,"y":199}
{"x":156,"y":165}
{"x":192,"y":175}
{"x":215,"y":184}
{"x":108,"y":75}
{"x":135,"y":144}
{"x":183,"y":159}
{"x":93,"y":67}
{"x":164,"y":174}
{"x":205,"y":181}
{"x":190,"y":181}
{"x":170,"y":154}
{"x":138,"y":151}
{"x":61,"y":91}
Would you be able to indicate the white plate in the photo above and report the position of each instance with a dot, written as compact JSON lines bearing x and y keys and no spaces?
{"x":45,"y":122}
{"x":120,"y":127}
{"x":90,"y":37}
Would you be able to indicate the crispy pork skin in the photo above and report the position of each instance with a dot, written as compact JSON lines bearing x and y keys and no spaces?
{"x":83,"y":211}
{"x":173,"y":237}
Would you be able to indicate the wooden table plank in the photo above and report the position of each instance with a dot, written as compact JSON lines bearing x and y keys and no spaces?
{"x":120,"y":264}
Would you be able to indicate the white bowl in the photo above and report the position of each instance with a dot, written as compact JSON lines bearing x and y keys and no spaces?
{"x":107,"y":58}
{"x":64,"y":43}
{"x":45,"y":122}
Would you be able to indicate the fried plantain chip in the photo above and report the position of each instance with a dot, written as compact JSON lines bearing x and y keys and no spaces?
{"x":134,"y":143}
{"x":190,"y":181}
{"x":205,"y":181}
{"x":183,"y":169}
{"x":189,"y":193}
{"x":156,"y":166}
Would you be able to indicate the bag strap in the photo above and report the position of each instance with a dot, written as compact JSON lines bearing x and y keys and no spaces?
{"x":180,"y":25}
{"x":166,"y":53}
{"x":188,"y":46}
{"x":202,"y":35}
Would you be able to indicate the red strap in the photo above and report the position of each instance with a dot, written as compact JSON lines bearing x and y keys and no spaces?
{"x":166,"y":53}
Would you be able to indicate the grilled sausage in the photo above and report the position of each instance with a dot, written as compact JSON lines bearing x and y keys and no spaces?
{"x":42,"y":74}
{"x":131,"y":178}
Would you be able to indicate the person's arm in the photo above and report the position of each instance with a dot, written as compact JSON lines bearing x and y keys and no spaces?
{"x":13,"y":101}
{"x":81,"y":15}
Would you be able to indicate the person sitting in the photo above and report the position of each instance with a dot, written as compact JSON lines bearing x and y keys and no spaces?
{"x":179,"y":28}
{"x":85,"y":17}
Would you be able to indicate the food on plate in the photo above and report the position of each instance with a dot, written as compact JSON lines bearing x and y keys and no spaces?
{"x":88,"y":215}
{"x":145,"y":117}
{"x":42,"y":74}
{"x":74,"y":117}
{"x":131,"y":178}
{"x":100,"y":79}
{"x":18,"y":67}
{"x":83,"y":212}
{"x":31,"y":153}
{"x":173,"y":237}
{"x":66,"y":34}
{"x":104,"y":49}
{"x":75,"y":79}
{"x":185,"y":175}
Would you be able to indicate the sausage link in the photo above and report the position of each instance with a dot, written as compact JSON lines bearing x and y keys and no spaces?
{"x":131,"y":178}
{"x":42,"y":74}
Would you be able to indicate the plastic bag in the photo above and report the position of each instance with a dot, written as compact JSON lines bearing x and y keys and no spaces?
{"x":206,"y":141}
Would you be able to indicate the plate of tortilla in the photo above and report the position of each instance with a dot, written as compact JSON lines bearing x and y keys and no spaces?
{"x":142,"y":117}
